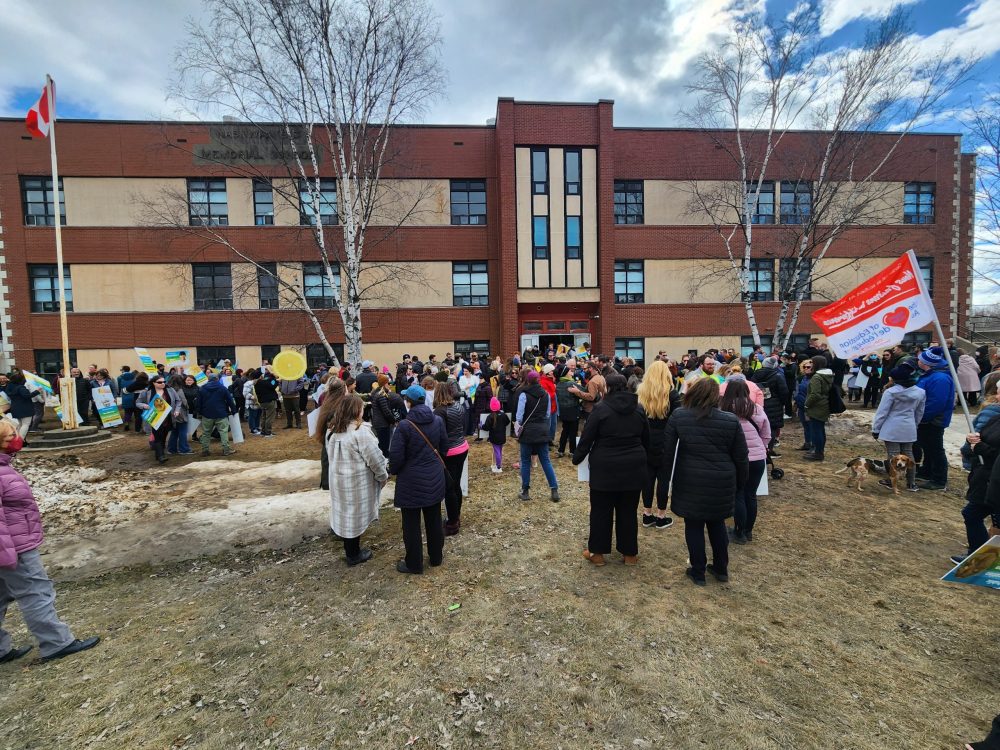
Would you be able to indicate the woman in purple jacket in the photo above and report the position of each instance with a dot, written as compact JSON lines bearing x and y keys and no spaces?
{"x":22,"y":576}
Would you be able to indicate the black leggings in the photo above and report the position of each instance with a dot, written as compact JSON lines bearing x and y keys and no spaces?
{"x":655,"y":477}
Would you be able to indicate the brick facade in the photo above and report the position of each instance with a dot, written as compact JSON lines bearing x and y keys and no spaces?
{"x":120,"y":149}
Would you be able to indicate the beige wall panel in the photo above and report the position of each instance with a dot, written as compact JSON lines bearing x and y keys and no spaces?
{"x":413,"y":203}
{"x":557,"y":223}
{"x":873,"y":203}
{"x":589,"y":187}
{"x":572,"y":205}
{"x":834,"y":277}
{"x":668,"y":202}
{"x":239,"y":195}
{"x":137,"y":287}
{"x":247,"y":357}
{"x":390,"y":354}
{"x":559,"y":295}
{"x":574,"y":274}
{"x":540,"y":203}
{"x":245,"y":295}
{"x":522,"y":176}
{"x":124,"y":201}
{"x":677,"y":346}
{"x":673,"y":282}
{"x":286,"y":202}
{"x":426,"y":284}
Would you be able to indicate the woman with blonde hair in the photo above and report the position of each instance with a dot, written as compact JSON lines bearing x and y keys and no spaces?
{"x":657,"y":400}
{"x":357,"y":474}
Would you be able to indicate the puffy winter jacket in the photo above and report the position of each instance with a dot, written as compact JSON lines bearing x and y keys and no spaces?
{"x":616,"y":437}
{"x":569,"y":405}
{"x":711,"y":465}
{"x":899,"y":413}
{"x":818,"y":396}
{"x":20,"y":521}
{"x":418,"y":466}
{"x":654,"y":454}
{"x":940,"y":389}
{"x":773,"y":385}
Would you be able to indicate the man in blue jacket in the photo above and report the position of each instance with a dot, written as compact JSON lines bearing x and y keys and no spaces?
{"x":215,"y":404}
{"x":937,"y":382}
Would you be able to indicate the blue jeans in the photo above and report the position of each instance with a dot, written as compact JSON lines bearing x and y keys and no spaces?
{"x":542,"y":451}
{"x":816,"y":432}
{"x":178,"y":440}
{"x":253,"y":419}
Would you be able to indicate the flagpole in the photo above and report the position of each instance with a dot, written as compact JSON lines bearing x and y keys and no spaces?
{"x":67,"y":385}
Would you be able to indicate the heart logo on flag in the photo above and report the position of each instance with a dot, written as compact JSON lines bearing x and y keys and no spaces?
{"x":897,"y":318}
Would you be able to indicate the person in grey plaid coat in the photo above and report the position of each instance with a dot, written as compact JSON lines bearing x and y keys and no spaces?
{"x":357,"y":475}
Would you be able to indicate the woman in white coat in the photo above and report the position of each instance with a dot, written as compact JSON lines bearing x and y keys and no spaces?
{"x":357,"y":474}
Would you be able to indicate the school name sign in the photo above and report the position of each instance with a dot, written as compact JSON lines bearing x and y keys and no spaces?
{"x":879,"y":312}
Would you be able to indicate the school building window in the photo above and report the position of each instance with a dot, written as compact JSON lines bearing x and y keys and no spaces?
{"x":634,"y":348}
{"x":746,"y":344}
{"x":263,"y":203}
{"x":571,"y":169}
{"x":927,"y":272}
{"x":316,"y":285}
{"x":468,"y":201}
{"x":760,"y":207}
{"x":465,"y":349}
{"x":327,"y":198}
{"x":267,"y":286}
{"x":918,"y":203}
{"x":44,"y":282}
{"x":36,"y":196}
{"x":628,"y":202}
{"x":796,"y":201}
{"x":573,"y":242}
{"x":49,"y":362}
{"x":629,"y":282}
{"x":791,"y":284}
{"x":470,"y":284}
{"x":539,"y":171}
{"x":540,"y":237}
{"x":207,"y":204}
{"x":213,"y":286}
{"x":761,"y":279}
{"x":212,"y":355}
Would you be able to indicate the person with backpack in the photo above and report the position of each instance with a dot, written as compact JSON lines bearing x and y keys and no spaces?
{"x":819,"y":405}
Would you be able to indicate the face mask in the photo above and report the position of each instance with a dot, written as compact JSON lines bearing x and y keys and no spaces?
{"x":15,"y":444}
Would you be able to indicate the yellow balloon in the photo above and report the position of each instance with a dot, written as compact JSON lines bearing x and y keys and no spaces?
{"x":289,"y":365}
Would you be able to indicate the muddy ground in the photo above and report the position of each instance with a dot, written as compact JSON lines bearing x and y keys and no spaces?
{"x":834,"y":632}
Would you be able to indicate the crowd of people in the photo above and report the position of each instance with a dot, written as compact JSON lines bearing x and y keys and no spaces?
{"x":695,"y":434}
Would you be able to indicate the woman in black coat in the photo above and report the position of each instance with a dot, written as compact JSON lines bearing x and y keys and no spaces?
{"x":416,"y":457}
{"x":616,"y":437}
{"x":658,"y":400}
{"x":712,"y":465}
{"x":777,"y":398}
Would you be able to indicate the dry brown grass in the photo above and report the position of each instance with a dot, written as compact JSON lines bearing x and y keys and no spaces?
{"x":834,"y":633}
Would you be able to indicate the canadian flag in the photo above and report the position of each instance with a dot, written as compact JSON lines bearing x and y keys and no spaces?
{"x":40,"y":116}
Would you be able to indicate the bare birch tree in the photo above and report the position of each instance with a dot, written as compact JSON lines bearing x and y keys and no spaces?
{"x":324,"y":83}
{"x":773,"y":77}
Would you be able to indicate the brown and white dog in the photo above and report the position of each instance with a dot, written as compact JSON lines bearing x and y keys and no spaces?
{"x":899,"y":466}
{"x":858,"y":468}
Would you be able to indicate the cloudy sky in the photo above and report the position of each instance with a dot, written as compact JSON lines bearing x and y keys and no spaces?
{"x":113,"y":58}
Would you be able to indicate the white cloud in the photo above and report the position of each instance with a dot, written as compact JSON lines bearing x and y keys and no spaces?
{"x":836,"y":14}
{"x":113,"y":58}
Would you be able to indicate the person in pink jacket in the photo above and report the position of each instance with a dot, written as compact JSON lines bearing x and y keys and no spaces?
{"x":22,"y":576}
{"x":757,"y":431}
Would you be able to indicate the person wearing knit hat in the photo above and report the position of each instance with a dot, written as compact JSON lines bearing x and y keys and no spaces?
{"x":496,"y":425}
{"x":899,"y":412}
{"x":938,"y":384}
